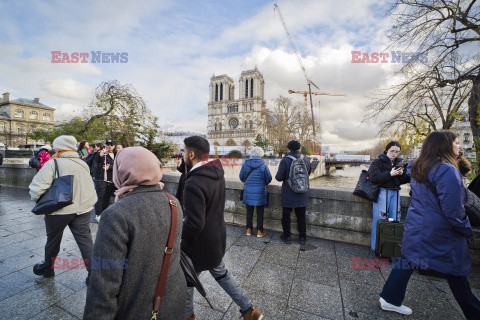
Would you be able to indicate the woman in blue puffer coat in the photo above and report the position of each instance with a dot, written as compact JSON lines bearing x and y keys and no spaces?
{"x":256,"y":176}
{"x":437,"y":230}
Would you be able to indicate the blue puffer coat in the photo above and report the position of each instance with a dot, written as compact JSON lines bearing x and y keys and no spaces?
{"x":291,"y":199}
{"x":255,"y":191}
{"x":436,"y":227}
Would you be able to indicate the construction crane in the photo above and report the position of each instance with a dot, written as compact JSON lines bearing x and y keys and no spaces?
{"x":305,"y":93}
{"x":300,"y":63}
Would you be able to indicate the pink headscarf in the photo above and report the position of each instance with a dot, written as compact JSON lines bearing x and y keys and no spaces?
{"x":133,"y":167}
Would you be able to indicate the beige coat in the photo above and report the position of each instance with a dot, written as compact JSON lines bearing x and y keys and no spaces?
{"x":84,"y":195}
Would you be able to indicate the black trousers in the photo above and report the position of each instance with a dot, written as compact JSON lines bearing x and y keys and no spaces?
{"x":286,"y":221}
{"x":396,"y":286}
{"x":105,"y":190}
{"x":80,"y":227}
{"x":260,"y":211}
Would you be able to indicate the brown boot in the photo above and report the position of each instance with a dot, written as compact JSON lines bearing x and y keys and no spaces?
{"x":192,"y":318}
{"x":249,"y":231}
{"x":253,"y":314}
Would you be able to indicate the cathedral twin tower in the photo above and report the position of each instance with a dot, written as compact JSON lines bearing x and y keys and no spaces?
{"x":235,"y":122}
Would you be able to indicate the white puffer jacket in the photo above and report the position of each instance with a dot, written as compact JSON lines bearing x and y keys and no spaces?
{"x":84,"y":195}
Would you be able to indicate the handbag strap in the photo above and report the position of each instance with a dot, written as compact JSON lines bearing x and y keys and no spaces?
{"x":56,"y":169}
{"x":162,"y":280}
{"x":248,"y":175}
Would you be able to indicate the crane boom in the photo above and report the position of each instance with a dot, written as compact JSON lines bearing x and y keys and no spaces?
{"x":294,"y":47}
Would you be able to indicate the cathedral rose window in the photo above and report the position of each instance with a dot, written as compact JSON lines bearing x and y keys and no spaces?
{"x":233,"y":123}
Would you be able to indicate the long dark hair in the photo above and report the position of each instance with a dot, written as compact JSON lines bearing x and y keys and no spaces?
{"x":438,"y":146}
{"x":81,"y":146}
{"x":392,"y":144}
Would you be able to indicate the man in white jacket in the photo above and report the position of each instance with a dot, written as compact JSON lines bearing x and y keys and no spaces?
{"x":75,"y":215}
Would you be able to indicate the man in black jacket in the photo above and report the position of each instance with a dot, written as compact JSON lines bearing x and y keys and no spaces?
{"x":104,"y":177}
{"x":204,"y":234}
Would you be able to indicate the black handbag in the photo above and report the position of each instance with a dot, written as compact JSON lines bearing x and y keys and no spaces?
{"x":366,"y":188}
{"x":59,"y":195}
{"x":472,"y":208}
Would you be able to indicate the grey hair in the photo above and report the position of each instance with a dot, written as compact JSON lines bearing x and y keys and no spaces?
{"x":257,"y":152}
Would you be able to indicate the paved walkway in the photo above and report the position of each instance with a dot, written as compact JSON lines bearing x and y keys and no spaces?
{"x":283,"y":282}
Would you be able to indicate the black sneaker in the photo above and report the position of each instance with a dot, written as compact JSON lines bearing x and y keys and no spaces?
{"x":302,"y":241}
{"x":286,"y":239}
{"x":40,"y":270}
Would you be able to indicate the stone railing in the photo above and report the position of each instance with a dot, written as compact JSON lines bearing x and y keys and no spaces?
{"x":331,"y":214}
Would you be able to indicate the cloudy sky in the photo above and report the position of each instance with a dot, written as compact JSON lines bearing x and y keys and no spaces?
{"x":174,"y":47}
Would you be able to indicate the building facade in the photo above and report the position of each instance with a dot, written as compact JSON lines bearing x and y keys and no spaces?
{"x":236,"y":122}
{"x":20,"y":117}
{"x":462,"y":128}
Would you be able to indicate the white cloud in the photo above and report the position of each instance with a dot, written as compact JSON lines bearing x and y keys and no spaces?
{"x":68,"y":88}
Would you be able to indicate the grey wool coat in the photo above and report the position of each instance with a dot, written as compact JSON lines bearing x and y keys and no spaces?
{"x":135,"y":228}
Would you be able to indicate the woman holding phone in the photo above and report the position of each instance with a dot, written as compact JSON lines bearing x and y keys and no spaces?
{"x":387,"y":171}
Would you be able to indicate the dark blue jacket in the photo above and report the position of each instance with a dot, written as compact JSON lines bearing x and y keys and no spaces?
{"x":291,"y":199}
{"x":436,"y":227}
{"x":255,"y":191}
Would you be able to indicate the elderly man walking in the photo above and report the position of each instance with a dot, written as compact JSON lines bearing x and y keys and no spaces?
{"x":75,"y":215}
{"x":204,"y":231}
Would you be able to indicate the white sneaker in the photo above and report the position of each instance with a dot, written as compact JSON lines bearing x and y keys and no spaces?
{"x":384,"y":305}
{"x":97,"y":218}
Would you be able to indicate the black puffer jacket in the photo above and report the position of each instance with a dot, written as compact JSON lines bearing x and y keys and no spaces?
{"x":379,"y":172}
{"x":204,"y":232}
{"x":474,"y":186}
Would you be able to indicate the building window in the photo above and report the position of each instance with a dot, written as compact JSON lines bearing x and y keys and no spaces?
{"x":215,"y":127}
{"x":221,"y":91}
{"x":251,"y":106}
{"x":246,"y":88}
{"x":46,"y":117}
{"x":216,"y":92}
{"x":19,"y":113}
{"x":233,"y":123}
{"x":33,"y":115}
{"x":232,"y":108}
{"x":246,"y":124}
{"x":251,"y":124}
{"x":251,"y":87}
{"x":220,"y":127}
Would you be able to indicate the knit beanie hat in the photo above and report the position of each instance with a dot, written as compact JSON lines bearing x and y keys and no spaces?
{"x":65,"y":143}
{"x":294,"y":145}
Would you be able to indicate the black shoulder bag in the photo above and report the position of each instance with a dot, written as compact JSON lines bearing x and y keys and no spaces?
{"x":59,"y":195}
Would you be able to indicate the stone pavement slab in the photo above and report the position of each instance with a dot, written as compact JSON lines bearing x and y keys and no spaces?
{"x":281,"y":281}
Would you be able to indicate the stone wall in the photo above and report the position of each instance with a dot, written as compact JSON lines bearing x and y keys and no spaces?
{"x":331,"y":214}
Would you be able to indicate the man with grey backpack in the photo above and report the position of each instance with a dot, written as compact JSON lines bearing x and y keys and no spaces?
{"x":294,"y":171}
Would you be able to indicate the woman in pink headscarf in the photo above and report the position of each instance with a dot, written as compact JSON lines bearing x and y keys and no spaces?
{"x":130,"y":245}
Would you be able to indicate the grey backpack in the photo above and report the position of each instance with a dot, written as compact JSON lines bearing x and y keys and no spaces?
{"x":298,"y":176}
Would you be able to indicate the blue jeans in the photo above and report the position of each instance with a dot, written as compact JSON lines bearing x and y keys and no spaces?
{"x":394,"y":289}
{"x":227,"y":281}
{"x":387,"y":199}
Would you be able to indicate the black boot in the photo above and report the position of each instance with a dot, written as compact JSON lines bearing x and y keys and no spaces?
{"x":41,"y":270}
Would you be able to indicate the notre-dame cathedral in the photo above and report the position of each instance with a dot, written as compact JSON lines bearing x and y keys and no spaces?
{"x":235,"y":122}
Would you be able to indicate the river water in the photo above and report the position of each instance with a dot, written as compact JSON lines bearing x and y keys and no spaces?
{"x":346,"y":180}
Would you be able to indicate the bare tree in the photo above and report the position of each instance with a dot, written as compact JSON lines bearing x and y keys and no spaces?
{"x":448,"y":32}
{"x":285,"y":121}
